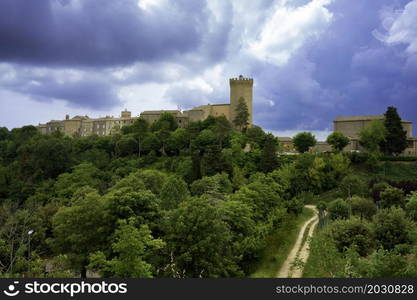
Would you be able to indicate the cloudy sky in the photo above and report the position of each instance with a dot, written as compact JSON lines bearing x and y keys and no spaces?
{"x":311,"y":60}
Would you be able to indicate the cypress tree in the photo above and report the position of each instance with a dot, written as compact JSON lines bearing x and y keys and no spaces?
{"x":269,"y":160}
{"x":396,"y":138}
{"x":242,"y":115}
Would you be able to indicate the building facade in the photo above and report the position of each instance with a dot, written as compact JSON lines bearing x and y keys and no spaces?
{"x":351,"y":126}
{"x":240,"y":88}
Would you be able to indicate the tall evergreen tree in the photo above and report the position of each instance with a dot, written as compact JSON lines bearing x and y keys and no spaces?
{"x":396,"y":138}
{"x":269,"y":161}
{"x":241,"y":120}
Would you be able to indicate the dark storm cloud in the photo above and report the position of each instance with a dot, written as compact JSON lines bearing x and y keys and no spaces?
{"x":77,"y":88}
{"x":99,"y":37}
{"x":97,"y":32}
{"x":346,"y":71}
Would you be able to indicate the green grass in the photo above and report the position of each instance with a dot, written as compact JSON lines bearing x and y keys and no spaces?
{"x":279,"y":245}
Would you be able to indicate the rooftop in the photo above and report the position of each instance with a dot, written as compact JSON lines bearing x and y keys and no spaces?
{"x":157,"y":112}
{"x":362,"y":118}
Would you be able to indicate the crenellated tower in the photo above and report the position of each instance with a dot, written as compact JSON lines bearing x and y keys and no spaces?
{"x":241,"y":88}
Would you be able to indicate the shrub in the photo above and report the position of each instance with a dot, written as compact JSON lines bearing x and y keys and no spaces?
{"x":392,"y":196}
{"x":338,"y":209}
{"x":411,"y":206}
{"x":362,"y":207}
{"x":377,"y":188}
{"x":352,"y":232}
{"x":390,"y":226}
{"x":352,"y":185}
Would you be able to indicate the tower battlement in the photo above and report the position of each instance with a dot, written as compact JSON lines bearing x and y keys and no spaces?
{"x":241,"y":80}
{"x":241,"y":88}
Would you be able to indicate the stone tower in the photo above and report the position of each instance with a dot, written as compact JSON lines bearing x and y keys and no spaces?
{"x":241,"y":88}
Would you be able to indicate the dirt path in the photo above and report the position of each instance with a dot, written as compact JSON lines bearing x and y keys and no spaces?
{"x":299,"y":251}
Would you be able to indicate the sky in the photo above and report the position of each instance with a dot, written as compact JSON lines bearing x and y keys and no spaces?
{"x":311,"y":60}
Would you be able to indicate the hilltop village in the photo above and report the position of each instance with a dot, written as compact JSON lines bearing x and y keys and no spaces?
{"x":241,"y":88}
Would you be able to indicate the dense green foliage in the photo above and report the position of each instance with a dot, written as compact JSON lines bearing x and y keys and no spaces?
{"x":156,"y":200}
{"x":338,"y":141}
{"x":303,"y":141}
{"x":396,"y":136}
{"x":241,"y":120}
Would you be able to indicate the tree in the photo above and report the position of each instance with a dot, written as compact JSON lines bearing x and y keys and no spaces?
{"x":338,"y":141}
{"x":84,"y":174}
{"x":352,"y":232}
{"x":199,"y":240}
{"x":217,"y":185}
{"x":142,"y":205}
{"x":241,"y":120}
{"x":303,"y":141}
{"x":362,"y":207}
{"x":338,"y":209}
{"x":4,"y":133}
{"x":256,"y":136}
{"x":131,"y":248}
{"x":140,"y":130}
{"x":352,"y":185}
{"x":173,"y":192}
{"x":396,"y":137}
{"x":373,"y":136}
{"x":391,"y":227}
{"x":126,"y":145}
{"x":166,"y":121}
{"x":392,"y":196}
{"x":151,"y":143}
{"x":411,"y":206}
{"x":178,"y":140}
{"x":269,"y":160}
{"x":222,"y":129}
{"x":80,"y":230}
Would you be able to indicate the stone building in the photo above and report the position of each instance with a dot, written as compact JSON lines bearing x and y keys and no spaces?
{"x":350,"y":126}
{"x":240,"y":88}
{"x":85,"y":126}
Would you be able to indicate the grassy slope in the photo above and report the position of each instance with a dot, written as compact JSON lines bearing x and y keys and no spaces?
{"x":279,"y":245}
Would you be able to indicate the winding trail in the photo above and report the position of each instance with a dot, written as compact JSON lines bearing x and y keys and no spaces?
{"x":299,"y":251}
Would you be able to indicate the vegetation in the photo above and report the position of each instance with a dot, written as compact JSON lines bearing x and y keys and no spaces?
{"x":156,"y":200}
{"x":303,"y":141}
{"x":241,"y":120}
{"x":396,"y":137}
{"x":338,"y":141}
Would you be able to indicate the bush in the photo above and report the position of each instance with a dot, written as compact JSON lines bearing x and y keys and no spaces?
{"x":352,"y":232}
{"x":390,"y":226}
{"x":411,"y":206}
{"x":358,"y":157}
{"x":338,"y":209}
{"x":392,"y":196}
{"x":295,"y":205}
{"x":352,"y":185}
{"x":377,"y":188}
{"x":362,"y":207}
